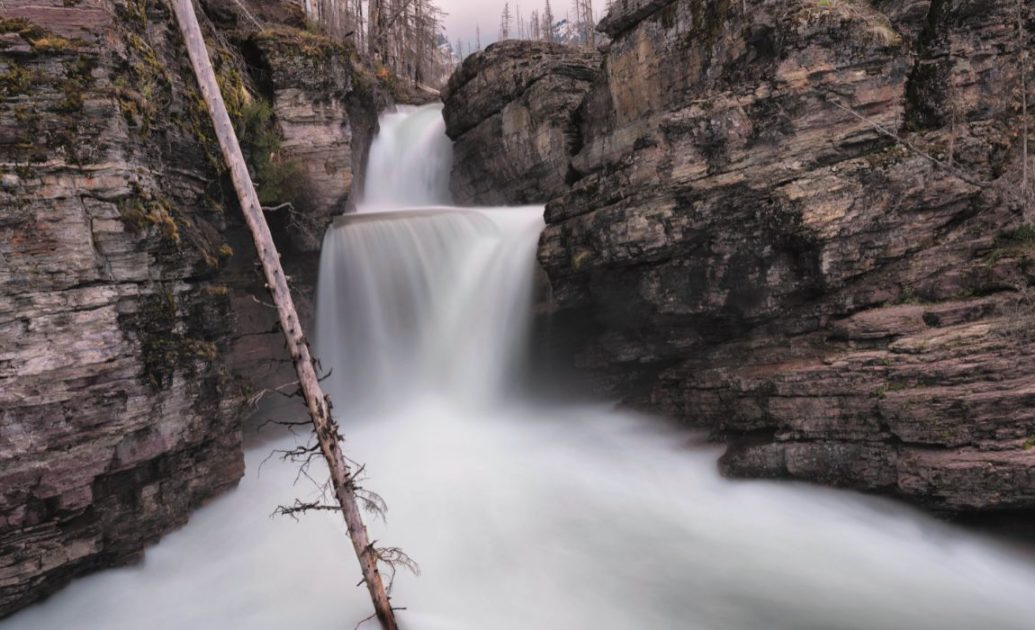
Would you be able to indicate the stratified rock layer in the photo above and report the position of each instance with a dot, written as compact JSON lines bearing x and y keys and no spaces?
{"x":117,"y":415}
{"x":326,"y":119}
{"x":761,"y":257}
{"x":132,"y":326}
{"x":801,"y":224}
{"x":509,"y":110}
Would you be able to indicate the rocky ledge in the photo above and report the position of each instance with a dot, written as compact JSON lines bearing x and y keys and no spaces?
{"x":801,"y":225}
{"x":509,"y":110}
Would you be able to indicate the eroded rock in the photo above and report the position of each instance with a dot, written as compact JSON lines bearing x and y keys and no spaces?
{"x":509,"y":110}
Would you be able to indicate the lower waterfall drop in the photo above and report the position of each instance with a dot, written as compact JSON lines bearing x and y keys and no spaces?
{"x":522,"y":515}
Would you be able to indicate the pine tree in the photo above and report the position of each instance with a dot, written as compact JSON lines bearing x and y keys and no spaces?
{"x":505,"y":21}
{"x":548,"y":23}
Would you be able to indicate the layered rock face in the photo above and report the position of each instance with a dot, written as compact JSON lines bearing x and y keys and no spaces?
{"x":510,"y":111}
{"x":120,"y":258}
{"x":800,"y":224}
{"x":326,"y":116}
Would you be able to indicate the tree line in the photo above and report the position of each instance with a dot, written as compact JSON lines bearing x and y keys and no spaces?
{"x":403,"y":37}
{"x":576,"y":27}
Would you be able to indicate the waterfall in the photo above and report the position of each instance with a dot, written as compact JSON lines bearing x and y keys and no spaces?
{"x":431,"y":301}
{"x":417,"y":298}
{"x":409,"y":161}
{"x":522,"y":516}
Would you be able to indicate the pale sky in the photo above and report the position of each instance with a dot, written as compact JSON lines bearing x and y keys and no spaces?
{"x":463,"y":15}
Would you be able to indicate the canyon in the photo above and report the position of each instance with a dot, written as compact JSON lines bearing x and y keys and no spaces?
{"x":800,"y":225}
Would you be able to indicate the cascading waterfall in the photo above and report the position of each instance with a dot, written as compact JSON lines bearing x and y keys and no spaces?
{"x":410,"y":161}
{"x":431,"y":301}
{"x":524,"y":516}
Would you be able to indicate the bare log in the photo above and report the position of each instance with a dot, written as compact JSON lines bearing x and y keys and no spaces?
{"x":325,"y":427}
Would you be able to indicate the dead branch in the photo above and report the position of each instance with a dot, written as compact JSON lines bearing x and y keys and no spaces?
{"x":301,"y":507}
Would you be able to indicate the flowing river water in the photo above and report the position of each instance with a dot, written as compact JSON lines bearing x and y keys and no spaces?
{"x":522,"y":515}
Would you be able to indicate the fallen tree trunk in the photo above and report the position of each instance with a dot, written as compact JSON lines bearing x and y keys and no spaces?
{"x":324,"y":426}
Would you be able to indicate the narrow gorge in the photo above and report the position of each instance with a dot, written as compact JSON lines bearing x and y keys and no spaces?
{"x":586,"y":315}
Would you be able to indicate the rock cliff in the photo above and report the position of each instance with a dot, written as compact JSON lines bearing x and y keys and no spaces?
{"x":510,"y":112}
{"x":801,"y":224}
{"x":128,"y":317}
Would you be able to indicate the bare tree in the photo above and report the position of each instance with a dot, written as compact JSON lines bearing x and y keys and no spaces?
{"x":583,"y":24}
{"x":590,"y":24}
{"x":505,"y":21}
{"x":548,"y":23}
{"x":328,"y":435}
{"x":375,"y":17}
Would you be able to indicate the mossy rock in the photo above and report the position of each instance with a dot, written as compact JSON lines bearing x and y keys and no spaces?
{"x":39,"y":38}
{"x":170,"y":339}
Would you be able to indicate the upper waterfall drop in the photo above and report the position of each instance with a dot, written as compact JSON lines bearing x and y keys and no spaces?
{"x":409,"y":162}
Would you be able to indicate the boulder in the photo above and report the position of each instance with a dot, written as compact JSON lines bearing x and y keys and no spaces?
{"x":510,"y":112}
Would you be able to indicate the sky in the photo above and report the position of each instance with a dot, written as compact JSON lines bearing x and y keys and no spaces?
{"x":464,"y":15}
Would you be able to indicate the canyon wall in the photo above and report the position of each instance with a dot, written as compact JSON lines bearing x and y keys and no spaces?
{"x":800,"y":224}
{"x":132,"y":323}
{"x":509,"y":112}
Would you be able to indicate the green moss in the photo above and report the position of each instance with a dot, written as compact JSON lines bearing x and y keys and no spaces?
{"x":908,"y":296}
{"x":77,"y":79}
{"x":16,"y":79}
{"x":26,"y":115}
{"x":1023,"y":235}
{"x":53,"y":43}
{"x":897,"y":386}
{"x":164,"y":349}
{"x":1016,"y":243}
{"x":40,"y":39}
{"x":300,"y":43}
{"x":143,"y":85}
{"x":133,"y":12}
{"x":277,"y":179}
{"x":16,"y":25}
{"x":156,"y":322}
{"x":141,"y":212}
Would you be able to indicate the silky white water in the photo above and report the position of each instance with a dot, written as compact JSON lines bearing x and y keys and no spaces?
{"x":523,"y":516}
